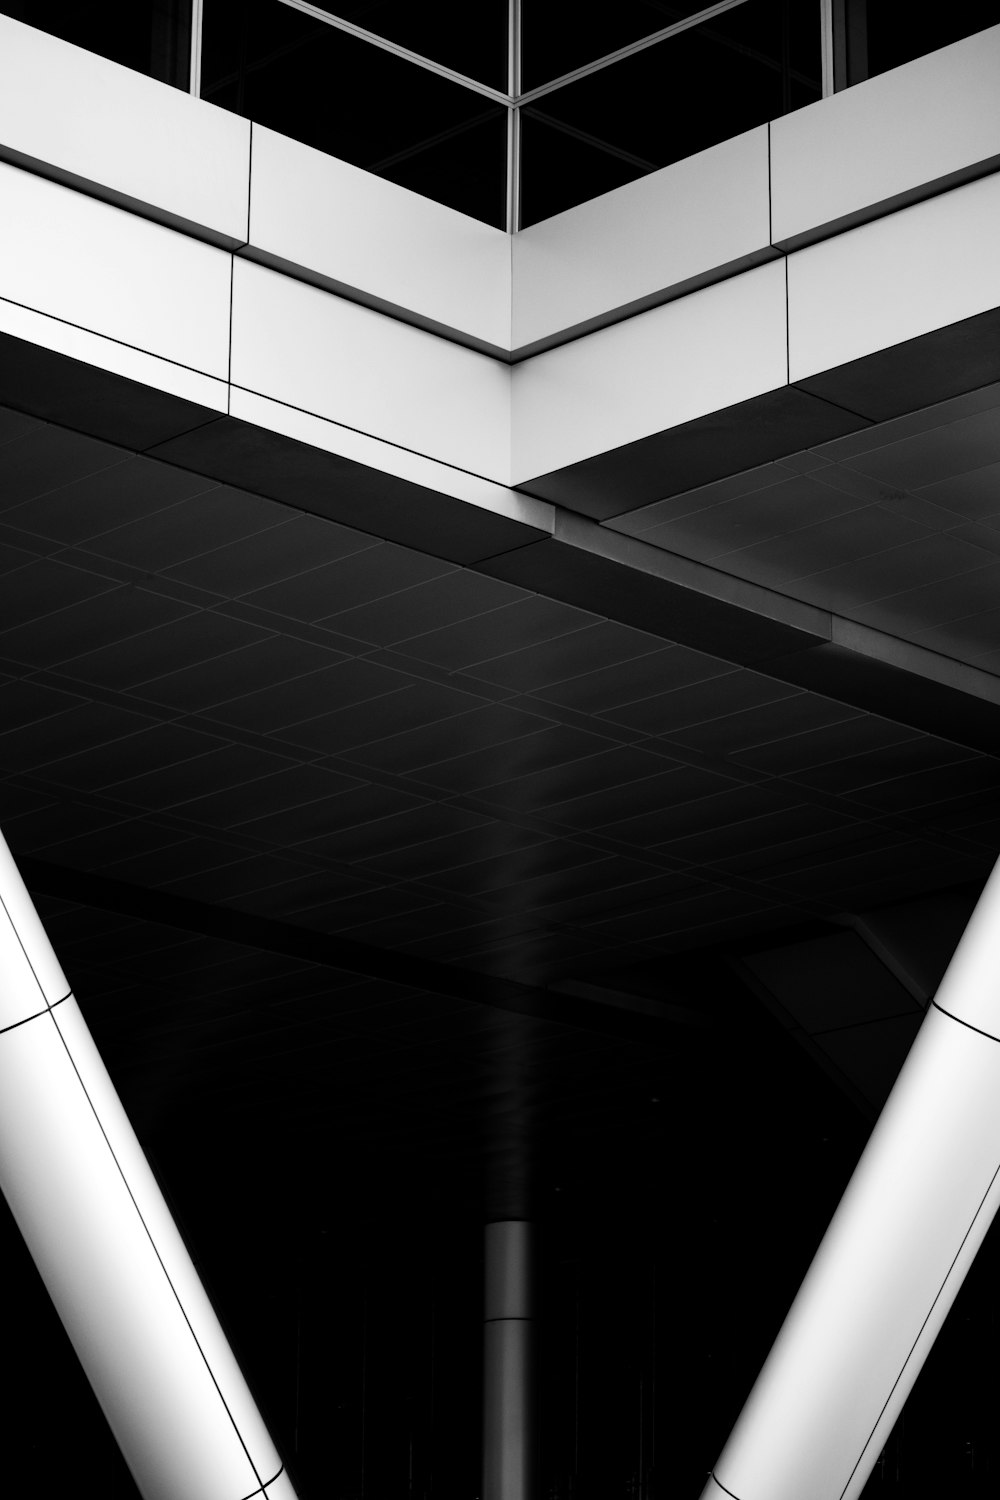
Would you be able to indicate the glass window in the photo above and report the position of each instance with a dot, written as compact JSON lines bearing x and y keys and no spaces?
{"x":356,"y":101}
{"x":151,"y":36}
{"x":705,"y":85}
{"x":560,"y":35}
{"x":899,"y":32}
{"x":470,"y":38}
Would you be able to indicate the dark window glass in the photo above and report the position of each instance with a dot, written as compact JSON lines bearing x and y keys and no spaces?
{"x":471,"y":38}
{"x":151,"y":36}
{"x":899,"y":32}
{"x":319,"y":85}
{"x":560,"y":35}
{"x":748,"y":65}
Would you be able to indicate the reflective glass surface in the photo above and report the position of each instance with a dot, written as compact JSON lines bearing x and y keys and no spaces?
{"x":472,"y":39}
{"x":559,"y":35}
{"x":898,"y":32}
{"x":707,"y":84}
{"x":322,"y":86}
{"x":151,"y":36}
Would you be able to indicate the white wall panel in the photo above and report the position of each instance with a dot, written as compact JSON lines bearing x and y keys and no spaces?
{"x":708,"y":350}
{"x":136,"y":138}
{"x":106,"y":354}
{"x":392,"y":246}
{"x":917,"y":270}
{"x":324,"y":354}
{"x":844,"y":155}
{"x":681,"y":223}
{"x":74,"y":258}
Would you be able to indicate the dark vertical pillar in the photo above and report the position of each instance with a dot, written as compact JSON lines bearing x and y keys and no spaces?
{"x":509,"y":1437}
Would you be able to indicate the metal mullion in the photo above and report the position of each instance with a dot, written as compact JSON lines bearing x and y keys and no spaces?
{"x":375,"y":40}
{"x":197,"y":25}
{"x":708,"y":14}
{"x":513,"y":116}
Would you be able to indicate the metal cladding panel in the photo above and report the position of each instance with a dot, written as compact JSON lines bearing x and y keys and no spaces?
{"x":890,"y":138}
{"x":323,"y":354}
{"x":925,"y":268}
{"x":101,"y":269}
{"x":178,"y":159}
{"x":380,"y":242}
{"x":668,"y":366}
{"x":642,"y":239}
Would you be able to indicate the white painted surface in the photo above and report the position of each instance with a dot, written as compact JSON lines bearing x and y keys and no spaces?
{"x":99,"y":1265}
{"x":906,"y":1231}
{"x":937,"y":115}
{"x":886,"y":1263}
{"x":134,"y":136}
{"x":681,"y":222}
{"x":106,"y":1247}
{"x":705,"y":351}
{"x":100,"y":268}
{"x":331,"y":437}
{"x":388,"y":243}
{"x":106,"y":354}
{"x":314,"y":350}
{"x":897,"y":278}
{"x":26,"y":954}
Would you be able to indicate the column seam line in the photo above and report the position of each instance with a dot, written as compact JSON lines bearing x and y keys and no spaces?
{"x":968,"y":1024}
{"x":156,"y":1252}
{"x":934,"y":1303}
{"x":34,"y":1015}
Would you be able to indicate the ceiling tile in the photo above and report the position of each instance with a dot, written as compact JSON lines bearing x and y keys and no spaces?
{"x":300,"y":699}
{"x":735,"y":732}
{"x":475,"y":732}
{"x":157,"y":635}
{"x":830,"y":743}
{"x":113,"y":497}
{"x":357,"y":579}
{"x":267,"y":662}
{"x":254,"y":562}
{"x":528,"y":756}
{"x":444,"y":600}
{"x":841,"y":540}
{"x":89,"y":626}
{"x":43,"y":587}
{"x":659,"y":672}
{"x":770,"y":512}
{"x":62,"y":734}
{"x":525,"y":790}
{"x":722,"y":695}
{"x":605,"y":644}
{"x":190,"y":528}
{"x":636,"y":810}
{"x":47,"y":457}
{"x":160,"y":747}
{"x":502,"y":630}
{"x":490,"y":843}
{"x":891,"y":572}
{"x":343,"y":731}
{"x":854,"y":772}
{"x":928,"y":457}
{"x":272,"y":793}
{"x":975,"y":494}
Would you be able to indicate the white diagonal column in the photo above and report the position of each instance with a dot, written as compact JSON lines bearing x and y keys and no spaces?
{"x":95,"y":1222}
{"x":898,"y":1248}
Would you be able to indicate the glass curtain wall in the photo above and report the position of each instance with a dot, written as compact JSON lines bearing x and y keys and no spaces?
{"x":511,"y":110}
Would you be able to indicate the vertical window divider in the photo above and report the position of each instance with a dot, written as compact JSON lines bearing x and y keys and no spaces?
{"x":197,"y":24}
{"x":513,"y":116}
{"x":826,"y":46}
